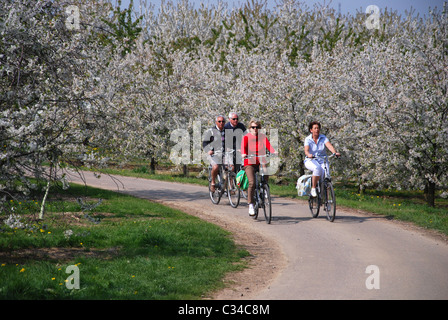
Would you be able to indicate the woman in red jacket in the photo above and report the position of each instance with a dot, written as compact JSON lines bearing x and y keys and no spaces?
{"x":254,"y":143}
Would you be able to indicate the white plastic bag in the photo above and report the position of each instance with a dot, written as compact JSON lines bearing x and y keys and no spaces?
{"x":304,"y":185}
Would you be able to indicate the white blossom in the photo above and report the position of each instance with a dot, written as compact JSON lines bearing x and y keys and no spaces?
{"x":381,"y":95}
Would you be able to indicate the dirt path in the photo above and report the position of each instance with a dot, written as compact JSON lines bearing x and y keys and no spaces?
{"x":298,"y":257}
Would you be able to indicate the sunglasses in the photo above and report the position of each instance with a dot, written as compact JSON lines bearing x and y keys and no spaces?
{"x":233,"y":118}
{"x":255,"y":127}
{"x":220,"y":121}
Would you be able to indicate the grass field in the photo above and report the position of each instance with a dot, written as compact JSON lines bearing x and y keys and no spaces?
{"x":126,"y":248}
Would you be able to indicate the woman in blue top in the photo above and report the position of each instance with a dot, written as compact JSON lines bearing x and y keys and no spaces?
{"x":315,"y":145}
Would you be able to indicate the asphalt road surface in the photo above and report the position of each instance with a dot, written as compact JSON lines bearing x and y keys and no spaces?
{"x":358,"y":256}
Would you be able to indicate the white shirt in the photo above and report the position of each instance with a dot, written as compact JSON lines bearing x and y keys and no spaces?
{"x":316,"y":149}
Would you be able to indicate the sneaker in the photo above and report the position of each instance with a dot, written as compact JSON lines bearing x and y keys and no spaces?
{"x":251,"y":210}
{"x":313,"y":192}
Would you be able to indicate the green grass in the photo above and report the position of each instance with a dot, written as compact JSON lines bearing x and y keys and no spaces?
{"x":129,"y":249}
{"x":400,"y":205}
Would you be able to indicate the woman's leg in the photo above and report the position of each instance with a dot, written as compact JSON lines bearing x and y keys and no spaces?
{"x":317,"y":170}
{"x":250,"y":172}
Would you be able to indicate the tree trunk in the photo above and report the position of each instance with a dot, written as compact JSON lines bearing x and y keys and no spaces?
{"x":430,"y":193}
{"x":361,"y":188}
{"x":153,"y":165}
{"x":301,"y":167}
{"x":42,"y":208}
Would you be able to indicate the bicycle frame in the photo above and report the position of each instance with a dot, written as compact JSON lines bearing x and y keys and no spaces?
{"x":261,"y":192}
{"x":259,"y":184}
{"x":327,"y":175}
{"x":325,"y":193}
{"x":225,"y":177}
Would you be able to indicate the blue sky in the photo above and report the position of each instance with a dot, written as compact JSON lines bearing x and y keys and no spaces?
{"x":346,"y":6}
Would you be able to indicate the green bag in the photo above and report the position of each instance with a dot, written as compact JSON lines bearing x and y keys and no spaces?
{"x":241,"y":180}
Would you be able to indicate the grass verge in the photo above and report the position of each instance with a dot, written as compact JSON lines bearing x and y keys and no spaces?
{"x":125,"y":248}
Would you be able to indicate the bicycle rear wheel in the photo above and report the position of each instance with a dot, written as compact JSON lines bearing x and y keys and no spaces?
{"x":267,"y":205}
{"x":233,"y":192}
{"x":330,"y":202}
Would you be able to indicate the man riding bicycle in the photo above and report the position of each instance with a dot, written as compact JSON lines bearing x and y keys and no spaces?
{"x":214,"y":140}
{"x":238,"y":130}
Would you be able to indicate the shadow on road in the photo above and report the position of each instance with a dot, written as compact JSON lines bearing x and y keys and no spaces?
{"x":289,"y":220}
{"x":169,"y":196}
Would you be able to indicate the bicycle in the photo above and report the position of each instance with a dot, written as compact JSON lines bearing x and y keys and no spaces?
{"x":325,"y":194}
{"x":225,"y":182}
{"x":262,"y":193}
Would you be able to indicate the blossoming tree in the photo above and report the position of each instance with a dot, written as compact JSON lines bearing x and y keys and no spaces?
{"x":90,"y":83}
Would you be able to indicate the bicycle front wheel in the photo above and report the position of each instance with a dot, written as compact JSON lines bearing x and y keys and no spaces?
{"x":267,"y":205}
{"x":314,"y":204}
{"x":256,"y":204}
{"x":330,"y":202}
{"x":215,"y":196}
{"x":233,"y":192}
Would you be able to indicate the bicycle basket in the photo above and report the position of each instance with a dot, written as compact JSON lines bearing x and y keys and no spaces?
{"x":304,"y":185}
{"x":241,"y":180}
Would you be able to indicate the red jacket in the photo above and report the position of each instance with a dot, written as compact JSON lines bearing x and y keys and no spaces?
{"x":255,"y":145}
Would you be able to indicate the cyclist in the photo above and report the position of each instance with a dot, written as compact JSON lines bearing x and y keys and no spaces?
{"x":315,"y":145}
{"x":214,"y":140}
{"x":254,"y":143}
{"x":238,"y":130}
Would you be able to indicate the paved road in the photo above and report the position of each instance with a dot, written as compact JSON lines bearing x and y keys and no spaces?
{"x":324,"y":260}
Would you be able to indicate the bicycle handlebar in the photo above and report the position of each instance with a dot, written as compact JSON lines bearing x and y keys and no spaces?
{"x":325,"y":157}
{"x":261,"y":156}
{"x":218,"y":152}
